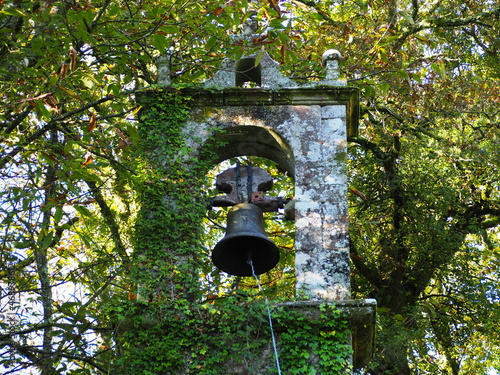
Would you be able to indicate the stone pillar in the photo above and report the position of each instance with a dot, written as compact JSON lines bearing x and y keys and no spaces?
{"x":322,"y":247}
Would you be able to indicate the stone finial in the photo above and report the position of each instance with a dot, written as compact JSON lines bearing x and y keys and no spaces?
{"x":330,"y":60}
{"x":163,"y":70}
{"x":331,"y":54}
{"x":251,"y":25}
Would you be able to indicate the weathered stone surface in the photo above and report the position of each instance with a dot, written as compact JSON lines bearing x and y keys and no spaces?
{"x":163,"y":70}
{"x":333,"y":112}
{"x":308,"y":139}
{"x":305,"y":131}
{"x":317,"y":141}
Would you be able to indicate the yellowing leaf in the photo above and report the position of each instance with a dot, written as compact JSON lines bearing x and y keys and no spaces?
{"x":92,"y":122}
{"x":358,"y":193}
{"x":13,"y":12}
{"x":71,"y":93}
{"x":72,"y":56}
{"x":87,"y":161}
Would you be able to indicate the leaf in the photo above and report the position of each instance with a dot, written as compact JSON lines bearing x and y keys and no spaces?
{"x":404,"y":75}
{"x":50,"y":159}
{"x":439,"y":68}
{"x":210,"y":43}
{"x":13,"y":12}
{"x":124,"y":141}
{"x":87,"y":161}
{"x":62,"y":73}
{"x":300,"y":5}
{"x":114,"y":89}
{"x":259,"y":56}
{"x":70,"y":93}
{"x":384,"y":88}
{"x":72,"y":57}
{"x":82,"y":174}
{"x":67,"y":307}
{"x":160,"y":42}
{"x":283,"y":37}
{"x":22,"y":244}
{"x":68,"y":147}
{"x":217,"y":11}
{"x":89,"y":81}
{"x":92,"y":122}
{"x":58,"y":214}
{"x":47,"y":240}
{"x":84,"y":211}
{"x":42,"y":109}
{"x":358,"y":193}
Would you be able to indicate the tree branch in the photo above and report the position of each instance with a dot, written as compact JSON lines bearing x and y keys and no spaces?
{"x":372,"y":274}
{"x":371,"y":146}
{"x":109,"y":219}
{"x":444,"y":22}
{"x":474,"y":19}
{"x":16,"y":120}
{"x":49,"y":126}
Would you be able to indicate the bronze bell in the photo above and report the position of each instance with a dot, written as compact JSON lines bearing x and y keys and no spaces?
{"x":245,"y":240}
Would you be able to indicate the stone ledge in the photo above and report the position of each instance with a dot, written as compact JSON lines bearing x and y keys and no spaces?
{"x":244,"y":97}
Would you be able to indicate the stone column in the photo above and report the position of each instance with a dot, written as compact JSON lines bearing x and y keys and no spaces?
{"x":322,"y":255}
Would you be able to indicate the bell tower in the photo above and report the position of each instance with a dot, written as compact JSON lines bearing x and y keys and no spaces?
{"x":304,"y":129}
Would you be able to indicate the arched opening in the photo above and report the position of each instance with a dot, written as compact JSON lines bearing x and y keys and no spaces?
{"x":280,"y":281}
{"x":264,"y":148}
{"x":247,"y":71}
{"x":253,"y":141}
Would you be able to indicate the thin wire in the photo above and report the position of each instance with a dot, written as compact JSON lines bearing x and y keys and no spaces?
{"x":270,"y":319}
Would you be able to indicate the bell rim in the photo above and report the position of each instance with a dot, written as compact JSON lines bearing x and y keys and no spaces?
{"x":274,"y":255}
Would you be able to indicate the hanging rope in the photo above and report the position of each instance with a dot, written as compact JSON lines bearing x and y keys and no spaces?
{"x":270,"y":319}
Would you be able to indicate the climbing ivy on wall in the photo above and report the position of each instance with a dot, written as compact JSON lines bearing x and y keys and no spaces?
{"x":233,"y":337}
{"x":168,"y":327}
{"x":168,"y":228}
{"x":312,"y":341}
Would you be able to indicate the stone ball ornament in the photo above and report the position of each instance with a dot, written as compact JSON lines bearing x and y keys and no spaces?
{"x":331,"y":55}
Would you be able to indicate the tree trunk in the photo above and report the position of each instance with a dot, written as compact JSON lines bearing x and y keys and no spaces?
{"x":392,"y":361}
{"x":47,"y":358}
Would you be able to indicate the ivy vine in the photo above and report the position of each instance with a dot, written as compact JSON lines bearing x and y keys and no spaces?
{"x":164,"y":328}
{"x":180,"y":337}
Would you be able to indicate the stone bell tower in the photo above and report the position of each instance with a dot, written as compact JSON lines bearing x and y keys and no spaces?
{"x":304,"y":129}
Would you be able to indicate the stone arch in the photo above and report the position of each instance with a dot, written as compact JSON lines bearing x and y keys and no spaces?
{"x":305,"y":131}
{"x":252,"y":140}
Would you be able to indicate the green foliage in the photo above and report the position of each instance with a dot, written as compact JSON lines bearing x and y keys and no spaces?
{"x":322,"y":341}
{"x":168,"y":229}
{"x":424,"y":173}
{"x":180,"y":337}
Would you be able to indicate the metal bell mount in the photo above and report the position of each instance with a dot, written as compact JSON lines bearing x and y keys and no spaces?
{"x":245,"y":238}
